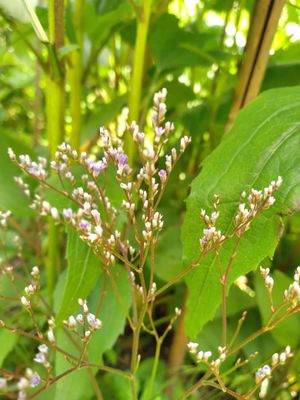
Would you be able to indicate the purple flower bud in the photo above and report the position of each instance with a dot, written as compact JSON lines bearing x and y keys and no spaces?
{"x":84,"y":224}
{"x":40,"y":358}
{"x":163,"y":175}
{"x":67,"y":213}
{"x":159,"y":131}
{"x":122,"y":160}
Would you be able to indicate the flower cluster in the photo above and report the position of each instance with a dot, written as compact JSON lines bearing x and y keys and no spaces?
{"x":3,"y":218}
{"x":265,"y":373}
{"x":204,"y":356}
{"x":30,"y":380}
{"x":257,"y":201}
{"x":280,"y":359}
{"x":32,"y":288}
{"x":269,"y":281}
{"x":42,"y":355}
{"x":212,"y":236}
{"x":87,"y":321}
{"x":292,"y":294}
{"x":50,"y":332}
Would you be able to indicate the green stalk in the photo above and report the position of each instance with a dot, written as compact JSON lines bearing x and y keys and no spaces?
{"x":75,"y":74}
{"x":55,"y":116}
{"x":154,"y":369}
{"x":143,"y":20}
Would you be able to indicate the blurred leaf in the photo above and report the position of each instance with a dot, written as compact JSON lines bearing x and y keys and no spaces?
{"x":263,"y":345}
{"x":17,"y":79}
{"x":8,"y":341}
{"x":196,"y":119}
{"x":104,"y":6}
{"x":115,"y":387}
{"x":168,"y":254}
{"x":143,"y":374}
{"x":66,"y":50}
{"x":178,"y":93}
{"x":98,"y":27}
{"x":171,"y":47}
{"x":286,"y":332}
{"x":282,"y":74}
{"x":84,"y":268}
{"x":12,"y":198}
{"x":237,"y":302}
{"x":263,"y":143}
{"x":102,"y":115}
{"x":15,"y":9}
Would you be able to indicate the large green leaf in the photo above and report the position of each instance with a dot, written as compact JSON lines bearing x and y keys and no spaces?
{"x":84,"y":269}
{"x":263,"y":143}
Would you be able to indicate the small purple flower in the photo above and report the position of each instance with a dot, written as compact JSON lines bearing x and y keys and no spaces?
{"x":40,"y":358}
{"x":159,"y":131}
{"x":35,"y":380}
{"x":43,"y":348}
{"x":122,"y":160}
{"x":93,"y":322}
{"x":163,"y":175}
{"x":97,"y":167}
{"x":67,"y":213}
{"x":84,"y":224}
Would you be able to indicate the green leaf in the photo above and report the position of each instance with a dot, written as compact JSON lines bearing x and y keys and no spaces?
{"x":263,"y":144}
{"x":102,"y":116}
{"x":282,"y":74}
{"x":113,"y":319}
{"x":98,"y":27}
{"x":12,"y":198}
{"x":78,"y":384}
{"x":168,"y":254}
{"x":66,"y":50}
{"x":35,"y":22}
{"x":177,"y":47}
{"x":115,"y":387}
{"x":8,"y":341}
{"x":84,"y":268}
{"x":112,"y":313}
{"x":290,"y":327}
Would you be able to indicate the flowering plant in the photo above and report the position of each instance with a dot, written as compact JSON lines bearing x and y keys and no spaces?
{"x":112,"y":214}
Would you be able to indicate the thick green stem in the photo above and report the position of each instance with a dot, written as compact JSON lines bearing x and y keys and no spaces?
{"x":55,"y":116}
{"x":138,"y":70}
{"x":55,"y":104}
{"x":75,"y":75}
